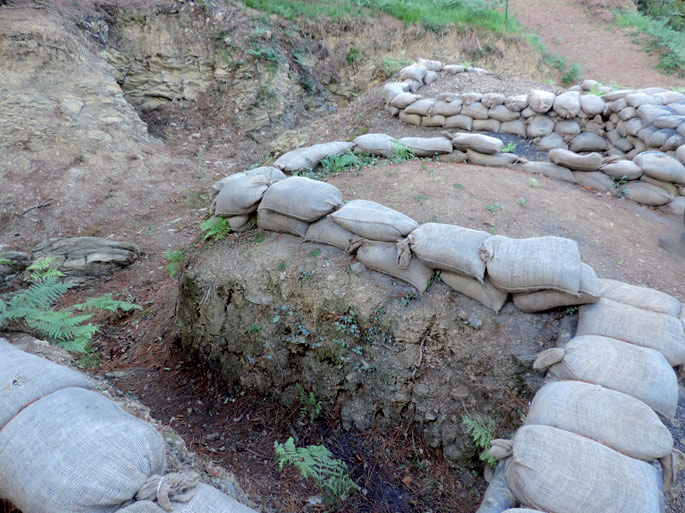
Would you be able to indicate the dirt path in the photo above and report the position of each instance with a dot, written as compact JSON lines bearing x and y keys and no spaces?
{"x":605,"y":52}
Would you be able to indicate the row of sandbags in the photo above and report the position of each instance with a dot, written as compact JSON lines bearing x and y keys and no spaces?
{"x":424,"y":72}
{"x":592,"y":441}
{"x":67,"y":448}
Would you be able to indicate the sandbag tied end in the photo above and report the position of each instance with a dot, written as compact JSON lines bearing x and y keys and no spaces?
{"x":177,"y":487}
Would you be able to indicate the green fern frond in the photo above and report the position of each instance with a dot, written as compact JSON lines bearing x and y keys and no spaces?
{"x":107,"y":303}
{"x":42,"y":270}
{"x":482,"y":433}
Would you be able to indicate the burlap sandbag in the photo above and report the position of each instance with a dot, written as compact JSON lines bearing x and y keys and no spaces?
{"x":76,"y":451}
{"x":638,"y":371}
{"x":575,"y":161}
{"x":326,"y":231}
{"x":25,"y":378}
{"x":496,"y":160}
{"x":300,"y":159}
{"x":485,"y":293}
{"x":567,"y":104}
{"x":240,"y":195}
{"x":640,"y":297}
{"x":594,"y":180}
{"x":374,"y":221}
{"x":523,"y":265}
{"x":502,"y":114}
{"x":459,"y":121}
{"x":645,"y":193}
{"x":661,"y":332}
{"x":522,"y":510}
{"x":602,"y":415}
{"x":382,"y":257}
{"x":626,"y":169}
{"x":548,"y":169}
{"x":268,"y":219}
{"x":477,"y":142}
{"x":553,"y":470}
{"x":376,"y":144}
{"x":516,"y":127}
{"x":541,"y":300}
{"x":302,"y":198}
{"x":404,"y":100}
{"x":661,"y":166}
{"x":427,"y":146}
{"x":450,"y":248}
{"x":540,"y":101}
{"x":205,"y":499}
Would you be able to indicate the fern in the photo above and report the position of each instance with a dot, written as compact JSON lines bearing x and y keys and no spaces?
{"x":309,"y":405}
{"x":317,"y":463}
{"x":482,"y":434}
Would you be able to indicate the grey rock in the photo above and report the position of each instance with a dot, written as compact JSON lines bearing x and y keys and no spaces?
{"x":18,"y":261}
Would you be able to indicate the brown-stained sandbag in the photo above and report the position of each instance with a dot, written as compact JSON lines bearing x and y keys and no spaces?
{"x":374,"y":221}
{"x":382,"y":257}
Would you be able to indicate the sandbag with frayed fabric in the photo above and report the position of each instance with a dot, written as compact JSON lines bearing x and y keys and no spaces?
{"x":483,"y":292}
{"x":298,"y":160}
{"x":661,"y":332}
{"x":302,"y":198}
{"x":240,"y":195}
{"x":328,"y":232}
{"x":637,"y":371}
{"x":76,"y":451}
{"x":374,"y":221}
{"x":382,"y":257}
{"x":206,"y":499}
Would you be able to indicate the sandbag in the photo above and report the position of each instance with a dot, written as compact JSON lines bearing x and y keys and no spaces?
{"x":637,"y":371}
{"x":376,"y":144}
{"x":410,"y":119}
{"x":661,"y":166}
{"x":594,"y":179}
{"x":522,"y":510}
{"x":490,"y":100}
{"x":268,"y":172}
{"x":459,"y":121}
{"x":404,"y":100}
{"x":540,"y":126}
{"x":591,"y":104}
{"x":76,"y":451}
{"x":25,"y":378}
{"x":568,"y":128}
{"x":485,"y":293}
{"x":477,"y":142}
{"x":268,"y":219}
{"x":382,"y":257}
{"x":501,"y":113}
{"x":516,"y":127}
{"x":645,"y":193}
{"x":522,"y":265}
{"x":240,"y":195}
{"x":548,"y":169}
{"x":430,"y":65}
{"x":588,"y":141}
{"x":567,"y":104}
{"x":206,"y":499}
{"x":447,"y":109}
{"x":449,"y":248}
{"x":539,"y":301}
{"x":554,"y":470}
{"x":475,"y":110}
{"x":414,"y":72}
{"x":574,"y":161}
{"x":421,"y":107}
{"x":602,"y":415}
{"x":309,"y":157}
{"x":302,"y":198}
{"x":540,"y":101}
{"x":238,"y":223}
{"x":427,"y":146}
{"x":675,"y":207}
{"x":496,"y":160}
{"x":516,"y":103}
{"x":486,"y":125}
{"x":661,"y":332}
{"x":551,"y":141}
{"x":392,"y":89}
{"x":326,"y":231}
{"x":622,"y":169}
{"x":374,"y":221}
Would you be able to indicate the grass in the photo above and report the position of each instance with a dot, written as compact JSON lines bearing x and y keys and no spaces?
{"x":670,"y":43}
{"x":572,"y":75}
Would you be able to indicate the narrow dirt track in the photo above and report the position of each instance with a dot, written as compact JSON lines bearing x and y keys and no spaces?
{"x":605,"y":52}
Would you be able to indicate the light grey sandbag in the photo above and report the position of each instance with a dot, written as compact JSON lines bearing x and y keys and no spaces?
{"x":382,"y":257}
{"x":661,"y":332}
{"x":205,"y":499}
{"x":575,"y":161}
{"x":541,"y":101}
{"x":592,"y":104}
{"x":427,"y":146}
{"x":594,"y":180}
{"x":617,"y":420}
{"x":551,"y":141}
{"x":272,"y":173}
{"x":459,"y":121}
{"x":404,"y":100}
{"x":302,"y":198}
{"x":640,"y":297}
{"x":495,"y":160}
{"x":450,"y":248}
{"x":661,"y":166}
{"x":268,"y":219}
{"x":76,"y":451}
{"x":376,"y":144}
{"x":523,"y":265}
{"x":421,"y":107}
{"x":497,"y":496}
{"x":626,"y":169}
{"x":238,"y":223}
{"x":541,"y":300}
{"x":588,"y":141}
{"x":393,"y":89}
{"x":300,"y":159}
{"x":326,"y":231}
{"x":25,"y":378}
{"x":374,"y":221}
{"x":645,"y":193}
{"x":486,"y":125}
{"x":553,"y":470}
{"x":548,"y":169}
{"x":637,"y":371}
{"x":477,"y":142}
{"x":240,"y":195}
{"x":522,"y":510}
{"x":567,"y":104}
{"x":485,"y":293}
{"x":516,"y":127}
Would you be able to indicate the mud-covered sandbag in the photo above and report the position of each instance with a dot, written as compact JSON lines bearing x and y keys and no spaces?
{"x":645,"y":193}
{"x":25,"y":378}
{"x":661,"y":166}
{"x":548,"y":169}
{"x":595,"y":180}
{"x":540,"y":126}
{"x":567,"y":104}
{"x":600,"y":414}
{"x":634,"y":370}
{"x":326,"y":231}
{"x":553,"y":470}
{"x":588,"y":141}
{"x":309,"y":157}
{"x":661,"y":332}
{"x":575,"y":161}
{"x":477,"y":142}
{"x":376,"y":144}
{"x":541,"y":101}
{"x":404,"y":100}
{"x":76,"y":451}
{"x":205,"y":499}
{"x":523,"y":265}
{"x":382,"y":257}
{"x":302,"y":198}
{"x":622,"y":169}
{"x":374,"y":221}
{"x":485,"y":293}
{"x":272,"y":221}
{"x":427,"y":146}
{"x":496,"y":160}
{"x":541,"y":300}
{"x":449,"y":248}
{"x":240,"y":195}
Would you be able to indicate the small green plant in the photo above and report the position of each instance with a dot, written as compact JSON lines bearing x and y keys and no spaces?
{"x":265,"y":53}
{"x":571,"y":310}
{"x":420,"y":198}
{"x":572,"y":75}
{"x":352,"y":56}
{"x":465,"y":64}
{"x":618,"y":183}
{"x":309,"y":406}
{"x":533,"y":182}
{"x":254,"y":328}
{"x":402,"y":152}
{"x":458,"y":186}
{"x":509,"y":147}
{"x":315,"y":252}
{"x":390,"y":65}
{"x":258,"y":237}
{"x":281,"y":266}
{"x":316,"y":462}
{"x":494,"y":207}
{"x":175,"y":259}
{"x":595,"y":90}
{"x":216,"y":228}
{"x":482,"y":433}
{"x":522,"y":201}
{"x":79,"y":158}
{"x":65,"y":328}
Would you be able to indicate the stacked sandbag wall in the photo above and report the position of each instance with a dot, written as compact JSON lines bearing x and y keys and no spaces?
{"x":628,"y":141}
{"x":65,"y":447}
